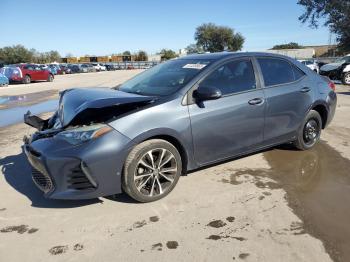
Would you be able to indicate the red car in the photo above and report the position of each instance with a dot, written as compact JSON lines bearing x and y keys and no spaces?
{"x":27,"y":73}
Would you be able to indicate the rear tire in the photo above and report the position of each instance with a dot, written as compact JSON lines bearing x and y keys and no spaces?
{"x":50,"y":78}
{"x":346,"y":78}
{"x":151,"y":171}
{"x":309,"y":132}
{"x":26,"y":79}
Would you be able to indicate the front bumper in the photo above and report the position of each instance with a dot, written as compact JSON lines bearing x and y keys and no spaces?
{"x":88,"y":170}
{"x":333,"y":74}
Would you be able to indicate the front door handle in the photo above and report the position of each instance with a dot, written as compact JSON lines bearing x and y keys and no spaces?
{"x":305,"y":89}
{"x":255,"y":101}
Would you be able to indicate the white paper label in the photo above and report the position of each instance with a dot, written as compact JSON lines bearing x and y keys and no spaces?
{"x":194,"y":66}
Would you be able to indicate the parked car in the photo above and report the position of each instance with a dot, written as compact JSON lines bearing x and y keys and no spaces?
{"x":111,"y":67}
{"x":99,"y":67}
{"x":57,"y":68}
{"x":65,"y":69}
{"x":75,"y":68}
{"x":27,"y":73}
{"x":4,"y":81}
{"x":88,"y":68}
{"x":52,"y":70}
{"x":312,"y":64}
{"x":339,"y":70}
{"x":178,"y":116}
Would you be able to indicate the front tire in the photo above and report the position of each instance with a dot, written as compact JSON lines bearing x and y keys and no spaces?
{"x":346,"y":78}
{"x":310,"y":131}
{"x":152,"y":170}
{"x":26,"y":79}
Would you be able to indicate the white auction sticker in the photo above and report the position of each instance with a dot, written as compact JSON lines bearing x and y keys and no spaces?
{"x":195,"y":66}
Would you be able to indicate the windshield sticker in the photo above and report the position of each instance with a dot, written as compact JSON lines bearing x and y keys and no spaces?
{"x":195,"y":66}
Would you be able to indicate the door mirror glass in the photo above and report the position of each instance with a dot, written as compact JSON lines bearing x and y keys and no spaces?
{"x":207,"y":93}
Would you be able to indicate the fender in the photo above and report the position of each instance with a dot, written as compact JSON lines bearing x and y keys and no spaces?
{"x":318,"y":103}
{"x":346,"y":69}
{"x":166,"y":132}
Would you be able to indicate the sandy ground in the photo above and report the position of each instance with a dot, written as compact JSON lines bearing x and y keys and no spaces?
{"x":276,"y":205}
{"x":61,"y":82}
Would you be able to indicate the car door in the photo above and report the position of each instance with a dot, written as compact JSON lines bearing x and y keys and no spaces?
{"x":30,"y":70}
{"x":288,"y":95}
{"x":234,"y":123}
{"x":41,"y":74}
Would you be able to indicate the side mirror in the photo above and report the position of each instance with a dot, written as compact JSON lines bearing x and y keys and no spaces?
{"x":207,"y":93}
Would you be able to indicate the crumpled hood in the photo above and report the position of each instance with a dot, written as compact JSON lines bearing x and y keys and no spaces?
{"x":330,"y":67}
{"x":81,"y":103}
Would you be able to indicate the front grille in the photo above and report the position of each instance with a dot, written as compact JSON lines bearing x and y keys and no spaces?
{"x":42,"y":181}
{"x":78,"y":180}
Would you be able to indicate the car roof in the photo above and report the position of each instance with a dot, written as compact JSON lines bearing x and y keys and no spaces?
{"x":222,"y":55}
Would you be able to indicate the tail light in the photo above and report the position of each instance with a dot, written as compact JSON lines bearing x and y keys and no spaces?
{"x":331,"y":85}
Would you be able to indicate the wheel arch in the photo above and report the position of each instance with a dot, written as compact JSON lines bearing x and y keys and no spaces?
{"x":185,"y":152}
{"x":178,"y":145}
{"x":321,"y":108}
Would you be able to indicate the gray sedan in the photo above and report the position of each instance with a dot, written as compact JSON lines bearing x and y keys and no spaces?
{"x":175,"y":117}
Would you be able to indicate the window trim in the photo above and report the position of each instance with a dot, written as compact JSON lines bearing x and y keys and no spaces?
{"x":191,"y":100}
{"x":263,"y":86}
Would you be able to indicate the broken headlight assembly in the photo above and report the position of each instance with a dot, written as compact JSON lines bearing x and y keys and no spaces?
{"x":80,"y":135}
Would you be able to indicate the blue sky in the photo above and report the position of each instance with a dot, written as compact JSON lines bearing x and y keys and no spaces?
{"x":104,"y":27}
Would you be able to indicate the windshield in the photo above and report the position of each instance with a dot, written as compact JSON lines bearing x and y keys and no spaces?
{"x":345,"y":59}
{"x":166,"y":78}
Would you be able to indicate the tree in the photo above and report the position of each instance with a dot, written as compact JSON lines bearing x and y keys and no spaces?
{"x":141,"y":56}
{"x":54,"y":56}
{"x":15,"y":54}
{"x":336,"y":14}
{"x":126,"y":53}
{"x":194,"y":49}
{"x":167,"y":54}
{"x":214,"y":38}
{"x":19,"y":54}
{"x":291,"y":45}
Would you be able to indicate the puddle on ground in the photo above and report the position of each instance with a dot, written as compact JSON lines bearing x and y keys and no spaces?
{"x":317,"y":183}
{"x":26,"y":99}
{"x":15,"y":115}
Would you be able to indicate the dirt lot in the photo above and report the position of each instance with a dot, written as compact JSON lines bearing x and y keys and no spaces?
{"x":61,"y":82}
{"x":276,"y":205}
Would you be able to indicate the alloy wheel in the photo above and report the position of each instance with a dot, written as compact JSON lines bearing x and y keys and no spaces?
{"x":347,"y":79}
{"x":311,"y":132}
{"x":155,"y":172}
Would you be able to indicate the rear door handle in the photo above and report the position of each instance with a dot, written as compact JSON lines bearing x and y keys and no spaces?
{"x":255,"y":101}
{"x":305,"y":89}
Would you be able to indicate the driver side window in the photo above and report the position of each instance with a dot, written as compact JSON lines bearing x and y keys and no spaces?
{"x":232,"y":77}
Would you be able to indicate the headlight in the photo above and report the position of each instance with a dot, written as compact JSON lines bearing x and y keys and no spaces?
{"x":83,"y":134}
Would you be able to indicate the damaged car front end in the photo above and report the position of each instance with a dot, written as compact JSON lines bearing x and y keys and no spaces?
{"x":76,"y":154}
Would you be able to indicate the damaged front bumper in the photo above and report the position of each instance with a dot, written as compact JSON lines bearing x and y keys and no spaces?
{"x":87,"y":170}
{"x":335,"y":74}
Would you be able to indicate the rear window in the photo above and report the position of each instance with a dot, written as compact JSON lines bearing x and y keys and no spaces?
{"x":276,"y":71}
